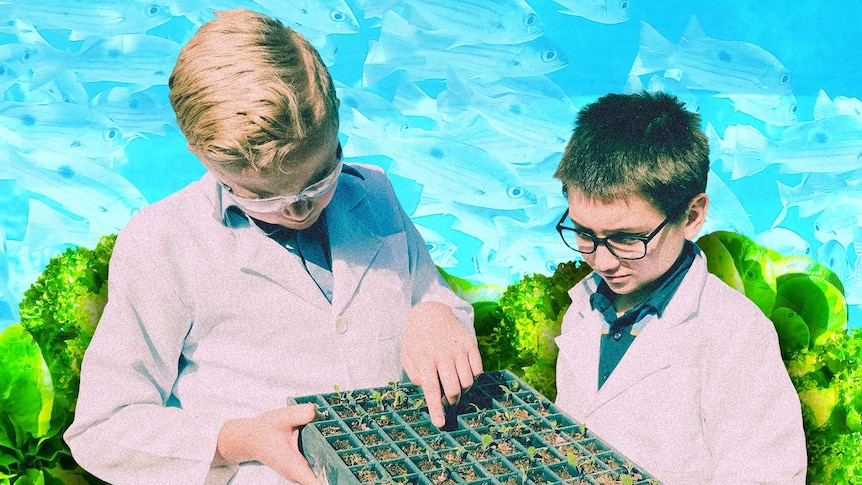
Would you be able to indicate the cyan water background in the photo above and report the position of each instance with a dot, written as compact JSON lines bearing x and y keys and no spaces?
{"x":86,"y":138}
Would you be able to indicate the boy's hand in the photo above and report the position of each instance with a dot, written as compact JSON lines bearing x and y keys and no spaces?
{"x":437,"y":351}
{"x":272,"y":439}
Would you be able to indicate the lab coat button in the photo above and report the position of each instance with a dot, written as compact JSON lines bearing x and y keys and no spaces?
{"x":618,"y":336}
{"x":341,"y":324}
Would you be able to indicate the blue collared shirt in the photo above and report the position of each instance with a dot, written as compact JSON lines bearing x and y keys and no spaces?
{"x":618,"y":333}
{"x":317,"y":261}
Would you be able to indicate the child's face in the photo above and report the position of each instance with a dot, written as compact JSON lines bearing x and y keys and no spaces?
{"x":633,"y":216}
{"x":314,"y":174}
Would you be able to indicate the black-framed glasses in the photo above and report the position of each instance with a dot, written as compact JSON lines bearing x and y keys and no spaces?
{"x":622,"y":246}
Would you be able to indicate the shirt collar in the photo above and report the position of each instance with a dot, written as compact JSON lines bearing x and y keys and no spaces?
{"x":663,"y":288}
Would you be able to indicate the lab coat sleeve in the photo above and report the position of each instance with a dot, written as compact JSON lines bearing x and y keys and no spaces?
{"x":428,"y":284}
{"x":125,"y":429}
{"x":752,"y":415}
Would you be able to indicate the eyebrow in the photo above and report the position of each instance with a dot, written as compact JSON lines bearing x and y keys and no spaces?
{"x":616,"y":232}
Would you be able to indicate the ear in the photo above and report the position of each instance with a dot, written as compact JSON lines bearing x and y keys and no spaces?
{"x":696,"y":215}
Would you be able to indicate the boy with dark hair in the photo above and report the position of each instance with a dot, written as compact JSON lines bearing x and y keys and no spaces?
{"x":658,"y":357}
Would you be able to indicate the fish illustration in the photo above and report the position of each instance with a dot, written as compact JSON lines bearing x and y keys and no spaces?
{"x":817,"y":191}
{"x":68,"y":128}
{"x":441,"y":249}
{"x":425,"y":55}
{"x":725,"y":211}
{"x":136,"y":113}
{"x":373,"y":106}
{"x":15,"y":64}
{"x":49,"y":228}
{"x":468,"y":21}
{"x":328,"y":16}
{"x":535,"y":120}
{"x":828,"y":145}
{"x":470,"y":174}
{"x":753,"y":79}
{"x":824,"y":107}
{"x":138,"y":59}
{"x":601,"y":11}
{"x":80,"y":187}
{"x":841,"y":222}
{"x":833,"y":255}
{"x":783,"y":240}
{"x":90,"y":18}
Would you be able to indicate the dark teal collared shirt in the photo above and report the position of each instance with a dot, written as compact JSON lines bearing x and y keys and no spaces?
{"x":618,"y":333}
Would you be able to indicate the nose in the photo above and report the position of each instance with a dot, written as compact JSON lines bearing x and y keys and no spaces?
{"x":299,"y":209}
{"x":603,"y":260}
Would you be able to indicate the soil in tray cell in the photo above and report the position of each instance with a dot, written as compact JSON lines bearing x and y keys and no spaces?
{"x":384,"y":452}
{"x":371,"y":438}
{"x":412,"y":447}
{"x":396,"y":433}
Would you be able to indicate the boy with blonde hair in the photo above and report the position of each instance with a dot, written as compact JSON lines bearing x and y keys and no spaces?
{"x":669,"y":365}
{"x":282,"y":272}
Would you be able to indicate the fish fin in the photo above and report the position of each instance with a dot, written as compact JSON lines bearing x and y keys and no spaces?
{"x":824,"y":107}
{"x":456,"y":98}
{"x":385,"y":55}
{"x":411,"y":100}
{"x":375,"y":8}
{"x":654,"y":53}
{"x":376,"y":66}
{"x":429,"y":205}
{"x":633,"y":85}
{"x":693,"y":31}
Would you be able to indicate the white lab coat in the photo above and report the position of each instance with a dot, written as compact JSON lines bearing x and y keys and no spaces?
{"x":701,"y":396}
{"x":207,"y":322}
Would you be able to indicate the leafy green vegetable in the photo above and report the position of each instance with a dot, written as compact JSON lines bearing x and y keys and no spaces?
{"x":40,"y":370}
{"x":518,"y":331}
{"x":61,"y":310}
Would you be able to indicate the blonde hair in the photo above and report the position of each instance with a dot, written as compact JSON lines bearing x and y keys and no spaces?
{"x":248,"y":91}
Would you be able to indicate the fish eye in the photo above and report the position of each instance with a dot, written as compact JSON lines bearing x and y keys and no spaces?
{"x":337,"y":16}
{"x":551,"y":266}
{"x":624,"y":6}
{"x":784,"y":79}
{"x":153,"y":10}
{"x":817,"y":226}
{"x":111,"y":134}
{"x":530,"y":19}
{"x":515,"y":192}
{"x":430,"y":246}
{"x":549,"y":55}
{"x":794,"y":109}
{"x":26,"y":56}
{"x":2,"y":70}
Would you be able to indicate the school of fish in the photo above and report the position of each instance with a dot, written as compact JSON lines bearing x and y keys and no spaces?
{"x":467,"y":104}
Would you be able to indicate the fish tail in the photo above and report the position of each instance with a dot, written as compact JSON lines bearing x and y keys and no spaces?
{"x":749,"y":145}
{"x":655,"y":52}
{"x":430,"y":204}
{"x":385,"y":55}
{"x":375,"y":67}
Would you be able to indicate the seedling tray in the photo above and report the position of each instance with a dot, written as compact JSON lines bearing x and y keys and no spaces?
{"x":501,"y":432}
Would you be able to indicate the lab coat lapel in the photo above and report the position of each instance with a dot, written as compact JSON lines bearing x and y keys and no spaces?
{"x":353,"y":243}
{"x":261,"y":256}
{"x":646,"y":355}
